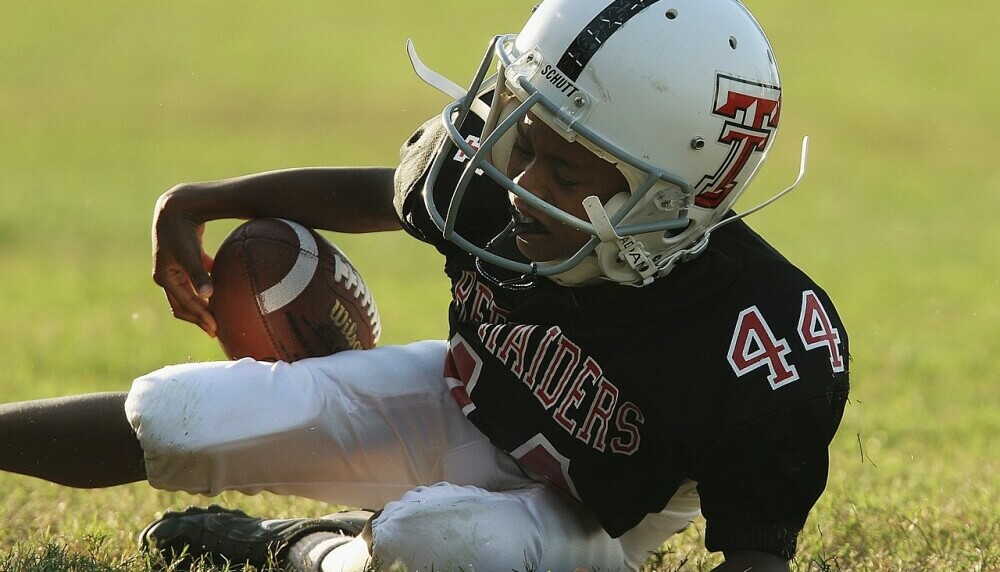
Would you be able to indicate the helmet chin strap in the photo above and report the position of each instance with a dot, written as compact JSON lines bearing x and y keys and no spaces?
{"x":636,"y":256}
{"x":631,"y":249}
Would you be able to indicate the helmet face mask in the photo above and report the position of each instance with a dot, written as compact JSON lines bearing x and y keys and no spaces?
{"x":683,"y":96}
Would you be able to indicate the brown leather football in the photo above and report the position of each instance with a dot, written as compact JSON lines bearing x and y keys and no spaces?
{"x":284,"y":292}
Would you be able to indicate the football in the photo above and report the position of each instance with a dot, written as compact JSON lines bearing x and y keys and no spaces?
{"x":283,"y":292}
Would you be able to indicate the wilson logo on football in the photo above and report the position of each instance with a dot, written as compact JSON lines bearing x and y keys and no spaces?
{"x":751,"y":111}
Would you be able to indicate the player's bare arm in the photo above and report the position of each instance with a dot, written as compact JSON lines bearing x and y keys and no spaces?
{"x":340,"y":199}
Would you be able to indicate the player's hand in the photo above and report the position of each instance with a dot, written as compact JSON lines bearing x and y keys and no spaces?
{"x":180,"y":264}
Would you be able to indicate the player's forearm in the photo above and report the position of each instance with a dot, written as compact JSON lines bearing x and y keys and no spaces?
{"x":350,"y":199}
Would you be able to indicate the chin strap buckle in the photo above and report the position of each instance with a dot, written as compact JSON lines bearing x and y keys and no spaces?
{"x":631,"y":250}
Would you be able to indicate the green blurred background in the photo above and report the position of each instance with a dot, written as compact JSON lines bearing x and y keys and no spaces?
{"x":104,"y":105}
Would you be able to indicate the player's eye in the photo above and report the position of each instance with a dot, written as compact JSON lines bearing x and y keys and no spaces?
{"x":523,"y":148}
{"x":564,"y":178}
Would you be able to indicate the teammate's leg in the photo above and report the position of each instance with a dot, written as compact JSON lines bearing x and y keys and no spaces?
{"x":79,"y":441}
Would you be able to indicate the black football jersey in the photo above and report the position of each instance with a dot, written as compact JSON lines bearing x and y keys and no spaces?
{"x":731,"y":371}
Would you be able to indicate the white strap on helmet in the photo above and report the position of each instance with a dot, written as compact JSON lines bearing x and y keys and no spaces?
{"x":631,"y":249}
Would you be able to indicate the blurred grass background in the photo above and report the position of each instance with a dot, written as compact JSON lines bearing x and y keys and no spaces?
{"x":105,"y":105}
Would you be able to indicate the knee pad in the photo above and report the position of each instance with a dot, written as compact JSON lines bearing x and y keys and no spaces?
{"x":450,"y":527}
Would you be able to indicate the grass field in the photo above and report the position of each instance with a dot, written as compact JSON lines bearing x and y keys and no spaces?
{"x":105,"y":105}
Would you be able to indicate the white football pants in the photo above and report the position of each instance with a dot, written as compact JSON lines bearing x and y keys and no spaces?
{"x":373,"y":429}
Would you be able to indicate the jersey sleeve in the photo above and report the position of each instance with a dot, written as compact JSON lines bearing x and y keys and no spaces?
{"x":415,"y":158}
{"x":484,"y":210}
{"x":759,"y":482}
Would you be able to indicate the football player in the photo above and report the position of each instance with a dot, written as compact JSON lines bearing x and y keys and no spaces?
{"x":625,"y":353}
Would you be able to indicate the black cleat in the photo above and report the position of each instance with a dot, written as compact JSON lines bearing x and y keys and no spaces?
{"x":233,"y":536}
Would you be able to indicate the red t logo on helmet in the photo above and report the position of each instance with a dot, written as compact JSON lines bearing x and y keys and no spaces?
{"x":751,"y":111}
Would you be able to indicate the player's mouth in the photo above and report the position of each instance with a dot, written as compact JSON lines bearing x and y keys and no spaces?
{"x":525,"y":224}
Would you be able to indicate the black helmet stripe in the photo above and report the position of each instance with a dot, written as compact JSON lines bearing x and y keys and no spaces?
{"x":586,"y":44}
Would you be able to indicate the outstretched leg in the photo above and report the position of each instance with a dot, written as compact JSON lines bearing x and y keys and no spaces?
{"x":80,"y":441}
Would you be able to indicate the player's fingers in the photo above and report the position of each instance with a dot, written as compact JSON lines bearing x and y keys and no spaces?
{"x":199,"y":279}
{"x":203,"y":270}
{"x":191,"y":308}
{"x":207,"y":261}
{"x":194,"y":264}
{"x":177,"y":246}
{"x":185,"y":302}
{"x":179,"y":311}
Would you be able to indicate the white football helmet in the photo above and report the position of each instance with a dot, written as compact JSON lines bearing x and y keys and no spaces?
{"x":683,"y":96}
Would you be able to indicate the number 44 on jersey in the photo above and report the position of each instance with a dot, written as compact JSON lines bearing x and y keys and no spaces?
{"x":754,"y":344}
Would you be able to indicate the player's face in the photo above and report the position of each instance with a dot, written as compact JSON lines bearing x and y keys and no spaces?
{"x":562,"y":174}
